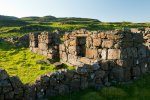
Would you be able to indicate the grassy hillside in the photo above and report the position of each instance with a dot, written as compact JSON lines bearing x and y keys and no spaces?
{"x":12,"y":26}
{"x":21,"y":62}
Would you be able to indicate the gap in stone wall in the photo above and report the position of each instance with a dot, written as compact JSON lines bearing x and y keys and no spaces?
{"x":81,"y":46}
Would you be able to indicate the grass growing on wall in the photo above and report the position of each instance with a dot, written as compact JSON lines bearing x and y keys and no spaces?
{"x":22,"y":63}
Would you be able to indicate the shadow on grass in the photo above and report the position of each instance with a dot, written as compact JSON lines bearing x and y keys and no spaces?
{"x":5,"y":46}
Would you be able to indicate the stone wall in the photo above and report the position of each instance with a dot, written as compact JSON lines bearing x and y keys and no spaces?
{"x":11,"y":88}
{"x":100,"y":58}
{"x":45,"y":43}
{"x":123,"y":55}
{"x":22,"y":41}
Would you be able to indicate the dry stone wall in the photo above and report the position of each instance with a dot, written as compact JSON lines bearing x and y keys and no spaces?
{"x":45,"y":43}
{"x":11,"y":88}
{"x":100,"y":58}
{"x":123,"y":55}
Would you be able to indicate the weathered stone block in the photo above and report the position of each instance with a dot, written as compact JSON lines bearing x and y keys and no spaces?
{"x":96,"y":66}
{"x":117,"y":45}
{"x":104,"y":54}
{"x":89,"y":42}
{"x":107,"y":44}
{"x":114,"y":36}
{"x":45,"y":53}
{"x":104,"y":65}
{"x":73,"y":43}
{"x":91,"y":53}
{"x":72,"y":49}
{"x":63,"y":56}
{"x":66,"y":36}
{"x":85,"y":60}
{"x":72,"y":59}
{"x":62,"y":47}
{"x":40,"y":52}
{"x":43,"y":46}
{"x":67,"y":43}
{"x":50,"y":56}
{"x":97,"y":42}
{"x":102,"y":35}
{"x":35,"y":50}
{"x":114,"y":54}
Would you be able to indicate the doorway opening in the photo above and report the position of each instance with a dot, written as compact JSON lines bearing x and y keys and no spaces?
{"x":81,"y":46}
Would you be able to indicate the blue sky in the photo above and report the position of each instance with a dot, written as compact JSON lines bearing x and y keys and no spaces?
{"x":104,"y":10}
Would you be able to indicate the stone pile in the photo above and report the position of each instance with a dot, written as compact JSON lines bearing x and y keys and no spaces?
{"x":45,"y":43}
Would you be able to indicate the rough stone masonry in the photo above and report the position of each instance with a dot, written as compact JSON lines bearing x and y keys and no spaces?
{"x":123,"y":55}
{"x":100,"y":58}
{"x":45,"y":43}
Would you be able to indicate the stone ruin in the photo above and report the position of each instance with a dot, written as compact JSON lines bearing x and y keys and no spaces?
{"x":122,"y":54}
{"x":45,"y":43}
{"x":100,"y":58}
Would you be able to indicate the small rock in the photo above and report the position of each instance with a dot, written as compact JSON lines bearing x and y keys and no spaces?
{"x":40,"y":62}
{"x":58,"y":65}
{"x":96,"y":66}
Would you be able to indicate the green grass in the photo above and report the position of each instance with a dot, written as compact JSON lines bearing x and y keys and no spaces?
{"x":7,"y":31}
{"x":138,"y":90}
{"x":22,"y":63}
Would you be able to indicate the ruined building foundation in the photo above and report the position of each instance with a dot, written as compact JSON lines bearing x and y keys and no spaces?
{"x":100,"y":58}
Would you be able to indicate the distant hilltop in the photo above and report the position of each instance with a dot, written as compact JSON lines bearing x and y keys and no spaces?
{"x":2,"y":17}
{"x":48,"y":19}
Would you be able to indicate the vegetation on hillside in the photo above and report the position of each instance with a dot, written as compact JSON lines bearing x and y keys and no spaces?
{"x":22,"y":63}
{"x":12,"y":26}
